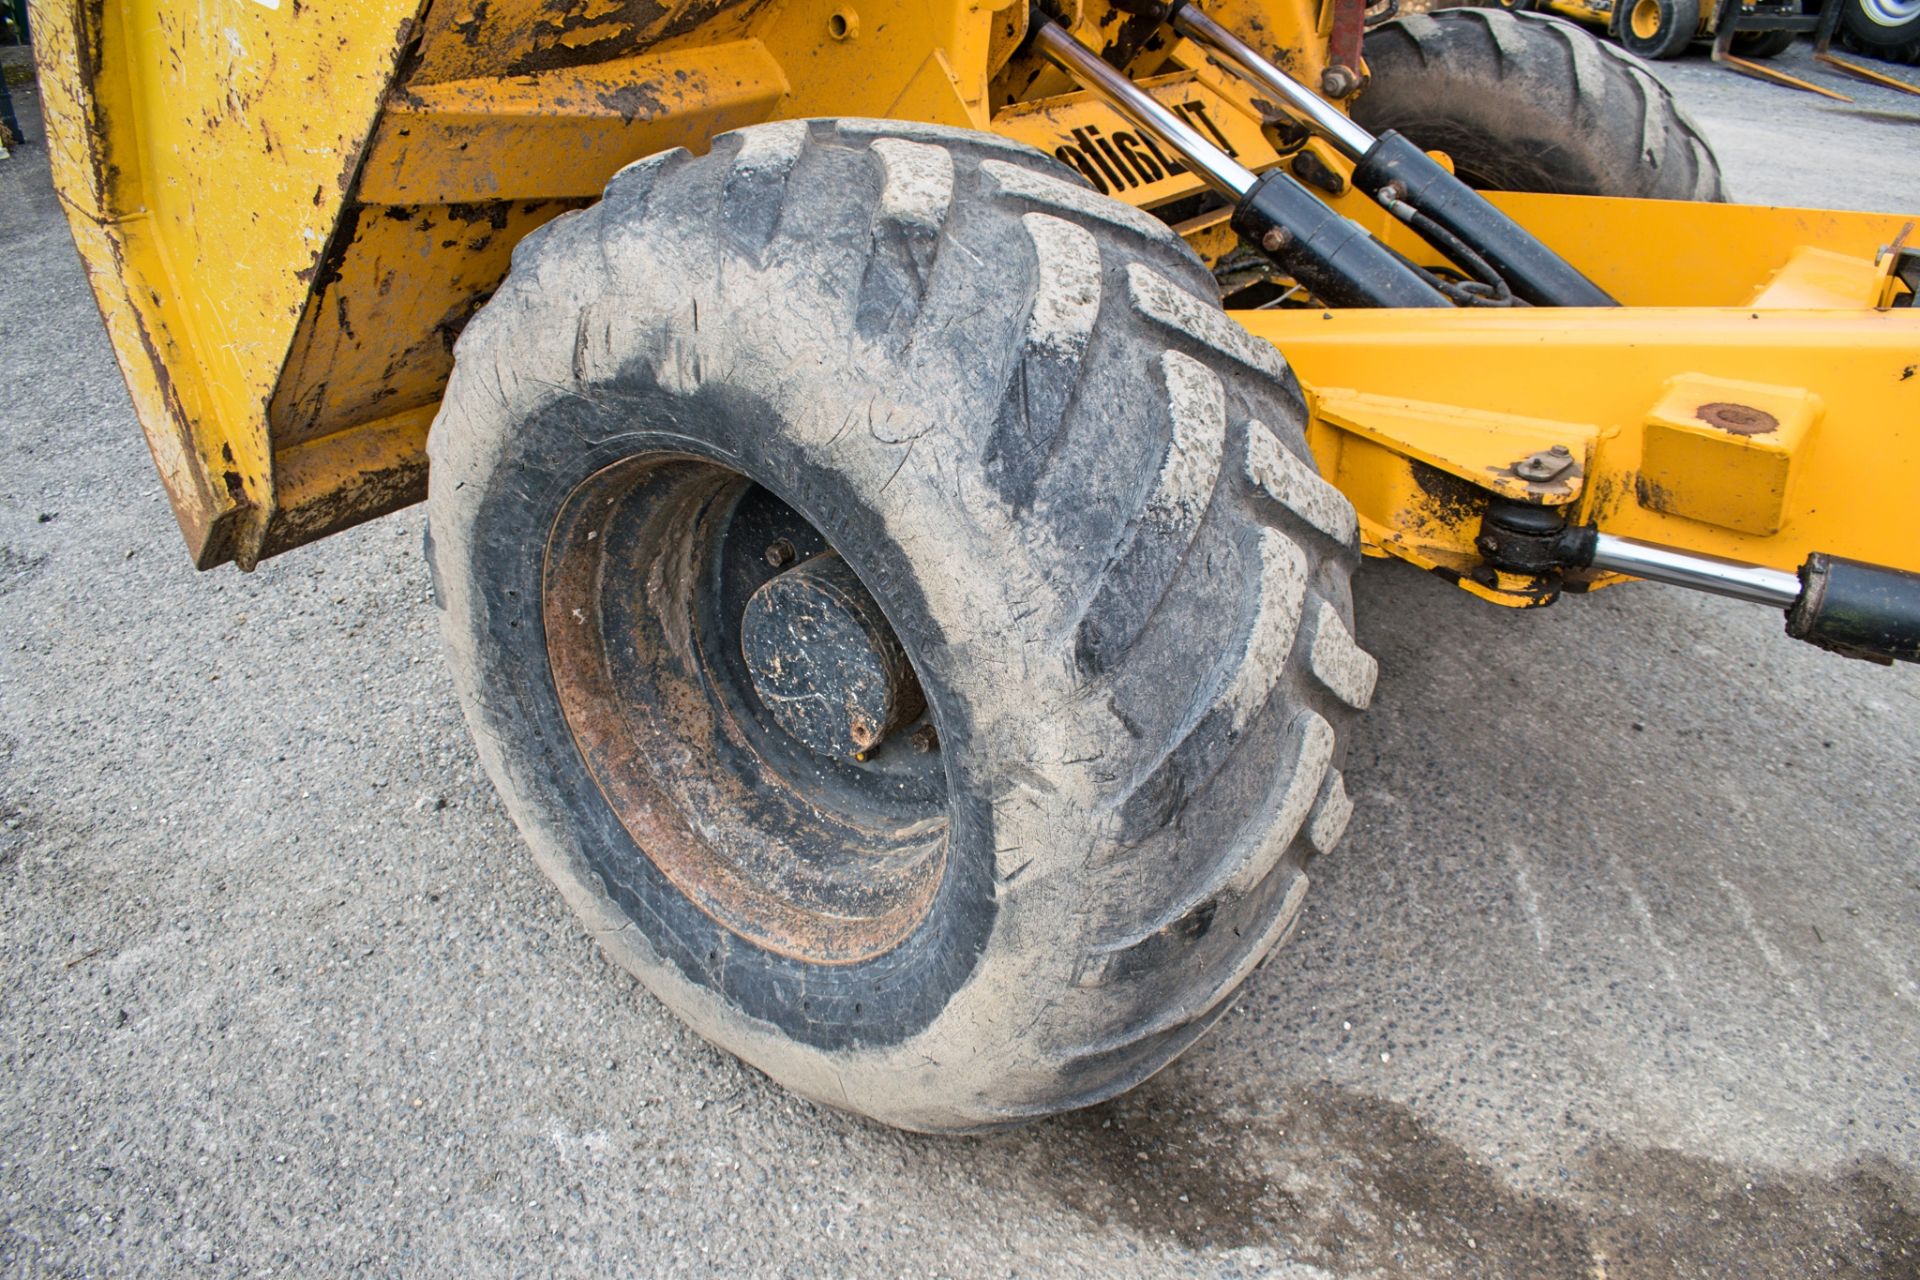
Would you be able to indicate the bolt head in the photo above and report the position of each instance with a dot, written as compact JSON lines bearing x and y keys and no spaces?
{"x":1276,"y":239}
{"x":780,"y":553}
{"x":1542,"y":466}
{"x":1338,"y":81}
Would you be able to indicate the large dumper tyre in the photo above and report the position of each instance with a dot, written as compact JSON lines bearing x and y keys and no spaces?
{"x":899,"y":610}
{"x":1522,"y":102}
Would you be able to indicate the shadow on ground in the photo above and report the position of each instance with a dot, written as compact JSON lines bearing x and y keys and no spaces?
{"x":1355,"y":1183}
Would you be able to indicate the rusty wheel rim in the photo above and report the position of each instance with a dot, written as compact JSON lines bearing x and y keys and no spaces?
{"x":826,"y":860}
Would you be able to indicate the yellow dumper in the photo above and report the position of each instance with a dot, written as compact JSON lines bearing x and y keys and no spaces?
{"x":894,"y":469}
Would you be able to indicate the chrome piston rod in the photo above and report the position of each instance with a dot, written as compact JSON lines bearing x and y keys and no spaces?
{"x":1336,"y":258}
{"x":1406,"y":180}
{"x":1846,"y":606}
{"x":1319,"y":114}
{"x":1750,"y":582}
{"x":1220,"y":170}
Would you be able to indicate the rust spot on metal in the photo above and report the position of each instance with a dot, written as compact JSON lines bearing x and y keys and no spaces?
{"x":208,"y":531}
{"x":1737,"y":419}
{"x":89,"y":39}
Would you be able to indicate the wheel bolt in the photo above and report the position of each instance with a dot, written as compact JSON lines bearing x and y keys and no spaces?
{"x":1338,"y":81}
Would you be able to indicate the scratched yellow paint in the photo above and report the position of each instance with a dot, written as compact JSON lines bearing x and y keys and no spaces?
{"x":203,"y":183}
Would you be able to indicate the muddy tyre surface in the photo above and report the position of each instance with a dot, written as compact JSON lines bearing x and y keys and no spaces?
{"x":1080,"y":495}
{"x":1523,"y":102}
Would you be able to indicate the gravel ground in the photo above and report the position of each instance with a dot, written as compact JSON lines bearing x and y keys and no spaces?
{"x":1613,"y":976}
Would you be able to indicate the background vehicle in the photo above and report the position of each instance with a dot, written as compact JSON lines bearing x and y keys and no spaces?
{"x":904,"y":610}
{"x":1746,"y":33}
{"x":1664,"y":28}
{"x":1887,"y":29}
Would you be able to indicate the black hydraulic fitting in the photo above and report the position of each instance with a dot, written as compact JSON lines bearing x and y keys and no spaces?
{"x":1860,"y":610}
{"x":1397,"y":170}
{"x":1331,"y":255}
{"x":1525,"y":537}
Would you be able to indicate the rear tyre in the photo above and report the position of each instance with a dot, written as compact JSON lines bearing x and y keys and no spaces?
{"x":1526,"y":103}
{"x":925,"y":375}
{"x":1761,"y":45}
{"x":1888,"y":29}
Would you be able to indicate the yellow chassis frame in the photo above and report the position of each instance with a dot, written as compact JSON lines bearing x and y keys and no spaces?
{"x":289,"y":212}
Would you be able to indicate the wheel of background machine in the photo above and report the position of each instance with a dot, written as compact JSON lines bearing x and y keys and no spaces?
{"x":1659,"y":29}
{"x":1761,"y":45}
{"x":1526,"y":103}
{"x":1887,"y":29}
{"x":899,"y":609}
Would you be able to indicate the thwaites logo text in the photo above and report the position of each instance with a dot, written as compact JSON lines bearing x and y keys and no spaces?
{"x":1123,"y":160}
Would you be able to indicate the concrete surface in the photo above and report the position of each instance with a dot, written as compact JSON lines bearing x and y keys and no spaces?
{"x":1615,"y":974}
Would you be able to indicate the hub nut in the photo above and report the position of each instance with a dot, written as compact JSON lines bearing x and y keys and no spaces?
{"x":824,"y":662}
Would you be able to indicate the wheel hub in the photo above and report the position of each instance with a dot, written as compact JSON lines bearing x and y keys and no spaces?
{"x":714,"y":659}
{"x":823,"y":660}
